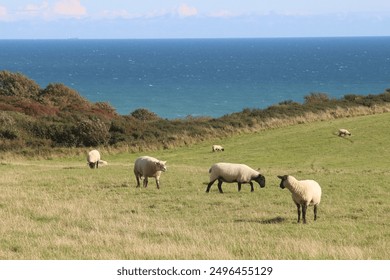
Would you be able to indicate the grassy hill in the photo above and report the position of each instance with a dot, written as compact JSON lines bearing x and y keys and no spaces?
{"x":60,"y":209}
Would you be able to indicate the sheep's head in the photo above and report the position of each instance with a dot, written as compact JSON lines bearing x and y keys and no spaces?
{"x":261,"y":180}
{"x":91,"y":164}
{"x":283,"y":178}
{"x":160,"y":165}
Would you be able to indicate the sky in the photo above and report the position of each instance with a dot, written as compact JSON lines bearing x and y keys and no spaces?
{"x":127,"y":19}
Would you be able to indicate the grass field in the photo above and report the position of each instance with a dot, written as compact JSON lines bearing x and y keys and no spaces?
{"x":61,"y":209}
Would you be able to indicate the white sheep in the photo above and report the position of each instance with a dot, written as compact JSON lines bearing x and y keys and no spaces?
{"x":146,"y":166}
{"x":93,"y":159}
{"x":217,"y":148}
{"x":344,"y":132}
{"x":233,"y":172}
{"x":304,"y":193}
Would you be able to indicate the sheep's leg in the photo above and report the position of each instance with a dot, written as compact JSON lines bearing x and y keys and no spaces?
{"x":239,"y":186}
{"x":299,"y":212}
{"x":97,"y":164}
{"x":209,"y":186}
{"x":315,"y":212}
{"x":304,"y":208}
{"x":137,"y":178}
{"x":220,"y":186}
{"x":157,"y":183}
{"x":146,"y":182}
{"x":252,"y":189}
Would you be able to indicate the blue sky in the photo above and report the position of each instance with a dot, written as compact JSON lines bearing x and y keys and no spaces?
{"x":51,"y":19}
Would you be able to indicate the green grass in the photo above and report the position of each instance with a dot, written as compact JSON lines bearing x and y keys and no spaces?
{"x":60,"y":209}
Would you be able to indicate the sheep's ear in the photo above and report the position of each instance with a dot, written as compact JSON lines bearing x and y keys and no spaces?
{"x":164,"y":162}
{"x":280,"y":177}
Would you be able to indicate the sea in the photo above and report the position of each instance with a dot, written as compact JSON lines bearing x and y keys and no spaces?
{"x":179,"y":78}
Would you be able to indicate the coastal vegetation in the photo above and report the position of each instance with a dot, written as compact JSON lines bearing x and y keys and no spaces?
{"x":45,"y":120}
{"x":53,"y":206}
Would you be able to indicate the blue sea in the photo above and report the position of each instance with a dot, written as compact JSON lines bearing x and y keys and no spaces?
{"x":203,"y":77}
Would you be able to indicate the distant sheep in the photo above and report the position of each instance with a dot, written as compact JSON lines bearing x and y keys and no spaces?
{"x":217,"y":148}
{"x":233,"y":172}
{"x":304,"y":193}
{"x":344,"y":132}
{"x":93,"y":159}
{"x":148,"y":167}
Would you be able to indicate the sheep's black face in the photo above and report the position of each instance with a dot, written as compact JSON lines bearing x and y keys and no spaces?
{"x":283,"y":178}
{"x":91,"y":164}
{"x":261,"y":180}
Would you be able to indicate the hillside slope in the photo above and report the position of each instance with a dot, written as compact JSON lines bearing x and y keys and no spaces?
{"x":61,"y":209}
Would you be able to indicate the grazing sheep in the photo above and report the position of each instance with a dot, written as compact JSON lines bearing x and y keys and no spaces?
{"x":217,"y":148}
{"x":148,"y":167}
{"x":344,"y":132}
{"x":232,"y":172}
{"x":304,"y":193}
{"x":93,"y":159}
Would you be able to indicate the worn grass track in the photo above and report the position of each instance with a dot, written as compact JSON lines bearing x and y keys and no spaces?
{"x":60,"y":209}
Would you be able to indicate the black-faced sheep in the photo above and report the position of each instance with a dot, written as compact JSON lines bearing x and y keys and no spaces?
{"x":93,"y":159}
{"x":148,"y":167}
{"x":304,"y":193}
{"x":217,"y":148}
{"x":233,"y":172}
{"x":344,"y":132}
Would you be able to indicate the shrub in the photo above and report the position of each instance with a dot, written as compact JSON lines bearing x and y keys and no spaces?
{"x":16,"y":84}
{"x":105,"y":109}
{"x":288,"y":103}
{"x":316,"y":97}
{"x":63,"y":97}
{"x":8,"y":133}
{"x":92,"y":132}
{"x":144,"y":115}
{"x":7,"y":126}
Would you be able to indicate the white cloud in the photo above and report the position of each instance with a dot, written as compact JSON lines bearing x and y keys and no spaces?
{"x":187,"y":11}
{"x":36,"y":7}
{"x":3,"y":13}
{"x":181,"y":11}
{"x":115,"y":14}
{"x":36,"y":10}
{"x":70,"y":8}
{"x":157,"y":13}
{"x":222,"y":14}
{"x":125,"y":14}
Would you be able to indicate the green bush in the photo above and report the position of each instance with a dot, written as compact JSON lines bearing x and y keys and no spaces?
{"x":8,"y":128}
{"x":58,"y":116}
{"x":316,"y":97}
{"x":144,"y":115}
{"x":91,"y":133}
{"x":18,"y":85}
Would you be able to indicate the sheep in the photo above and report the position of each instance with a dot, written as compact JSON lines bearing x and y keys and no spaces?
{"x":217,"y":148}
{"x":344,"y":132}
{"x":233,"y":172}
{"x":103,"y":162}
{"x":146,"y":166}
{"x":304,"y":193}
{"x":93,"y":159}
